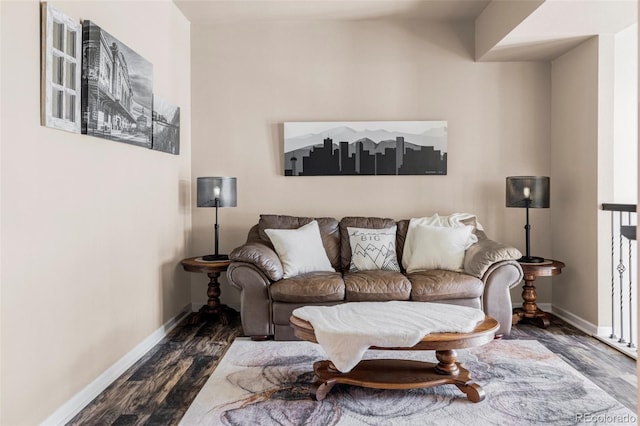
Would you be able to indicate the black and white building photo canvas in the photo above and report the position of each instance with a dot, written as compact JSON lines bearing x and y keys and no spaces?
{"x":365,"y":148}
{"x":117,"y":87}
{"x":166,"y":126}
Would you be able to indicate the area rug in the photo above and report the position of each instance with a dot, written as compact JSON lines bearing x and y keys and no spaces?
{"x":267,"y":383}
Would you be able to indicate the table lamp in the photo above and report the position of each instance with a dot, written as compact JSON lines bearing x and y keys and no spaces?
{"x":216,"y":192}
{"x":528,"y":192}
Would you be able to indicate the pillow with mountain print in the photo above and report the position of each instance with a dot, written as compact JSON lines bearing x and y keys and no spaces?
{"x":373,"y":249}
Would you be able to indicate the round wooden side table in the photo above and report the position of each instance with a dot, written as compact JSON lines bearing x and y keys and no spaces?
{"x":213,"y":269}
{"x":529,"y":312}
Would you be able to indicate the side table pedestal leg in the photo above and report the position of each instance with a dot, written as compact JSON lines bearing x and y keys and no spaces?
{"x":213,"y":306}
{"x":529,"y":312}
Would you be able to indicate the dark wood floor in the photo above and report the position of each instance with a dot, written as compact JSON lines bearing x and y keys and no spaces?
{"x":159,"y":388}
{"x":606,"y":367}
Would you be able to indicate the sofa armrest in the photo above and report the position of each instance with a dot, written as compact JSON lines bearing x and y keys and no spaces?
{"x":255,"y":302}
{"x":261,"y":256}
{"x":480,"y":256}
{"x":498,"y":280}
{"x":495,"y":264}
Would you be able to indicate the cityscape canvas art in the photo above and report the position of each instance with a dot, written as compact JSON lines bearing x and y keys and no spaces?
{"x":166,"y":126}
{"x":117,"y":87}
{"x":365,"y":148}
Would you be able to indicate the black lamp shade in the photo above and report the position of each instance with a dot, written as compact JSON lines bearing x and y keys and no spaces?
{"x":528,"y":191}
{"x":222,"y":188}
{"x":216,"y":192}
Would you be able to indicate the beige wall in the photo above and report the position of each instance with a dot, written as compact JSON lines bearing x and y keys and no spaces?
{"x":250,"y":77}
{"x":625,"y":119}
{"x":92,"y":230}
{"x":581,"y":129}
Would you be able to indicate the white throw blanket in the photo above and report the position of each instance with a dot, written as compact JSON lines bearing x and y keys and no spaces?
{"x":346,"y":331}
{"x":454,"y":220}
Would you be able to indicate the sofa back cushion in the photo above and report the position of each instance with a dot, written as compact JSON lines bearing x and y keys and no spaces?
{"x":253,"y":236}
{"x":358,"y":222}
{"x":329,"y":231}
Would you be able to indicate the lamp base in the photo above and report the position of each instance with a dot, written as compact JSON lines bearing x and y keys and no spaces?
{"x":531,"y":259}
{"x":214,"y":257}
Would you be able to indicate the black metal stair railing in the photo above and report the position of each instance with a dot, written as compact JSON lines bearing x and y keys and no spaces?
{"x":623,"y":273}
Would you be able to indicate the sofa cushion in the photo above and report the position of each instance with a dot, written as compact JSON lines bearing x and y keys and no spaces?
{"x":437,"y":284}
{"x":373,"y":249}
{"x":358,"y":222}
{"x":312,"y":287}
{"x":329,"y":231}
{"x":282,"y":310}
{"x":376,"y":285}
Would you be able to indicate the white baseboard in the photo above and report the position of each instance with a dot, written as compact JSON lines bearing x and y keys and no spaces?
{"x":80,"y":400}
{"x":604,"y":331}
{"x":547,"y":307}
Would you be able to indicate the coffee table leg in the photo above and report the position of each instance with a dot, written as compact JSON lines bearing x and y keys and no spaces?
{"x":474,"y":391}
{"x":447,"y":364}
{"x":320,"y":388}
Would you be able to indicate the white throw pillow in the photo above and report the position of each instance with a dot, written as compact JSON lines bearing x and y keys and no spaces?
{"x":373,"y":249}
{"x":452,"y":221}
{"x":437,"y":247}
{"x":300,"y":250}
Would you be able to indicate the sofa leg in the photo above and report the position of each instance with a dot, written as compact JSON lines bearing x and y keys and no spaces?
{"x":259,"y":338}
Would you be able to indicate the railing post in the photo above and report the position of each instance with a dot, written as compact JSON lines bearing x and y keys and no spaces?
{"x":621,"y":333}
{"x":631,"y":345}
{"x":613,"y":283}
{"x":621,"y":270}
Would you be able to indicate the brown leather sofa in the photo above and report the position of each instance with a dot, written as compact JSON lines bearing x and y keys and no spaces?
{"x":267,"y":299}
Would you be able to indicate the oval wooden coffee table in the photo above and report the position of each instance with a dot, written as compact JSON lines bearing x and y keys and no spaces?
{"x":405,"y":374}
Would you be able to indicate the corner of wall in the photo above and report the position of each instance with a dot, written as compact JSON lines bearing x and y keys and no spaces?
{"x":497,"y":20}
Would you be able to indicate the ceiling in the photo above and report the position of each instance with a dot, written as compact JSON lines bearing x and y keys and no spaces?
{"x":553,"y":28}
{"x":558,"y":26}
{"x":209,"y":11}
